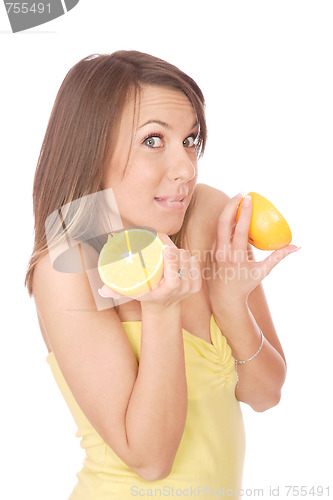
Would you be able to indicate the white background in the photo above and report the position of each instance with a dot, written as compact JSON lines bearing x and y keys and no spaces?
{"x":265,"y":68}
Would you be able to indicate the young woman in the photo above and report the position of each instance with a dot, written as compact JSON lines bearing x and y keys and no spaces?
{"x":152,"y":383}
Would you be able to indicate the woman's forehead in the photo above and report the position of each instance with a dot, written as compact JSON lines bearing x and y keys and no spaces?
{"x":160,"y":103}
{"x":153,"y":96}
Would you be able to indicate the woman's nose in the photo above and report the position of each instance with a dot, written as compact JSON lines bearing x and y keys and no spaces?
{"x":182,"y":166}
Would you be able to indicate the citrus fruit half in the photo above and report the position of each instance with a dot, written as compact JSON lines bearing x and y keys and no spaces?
{"x":131,"y":261}
{"x":269,"y":230}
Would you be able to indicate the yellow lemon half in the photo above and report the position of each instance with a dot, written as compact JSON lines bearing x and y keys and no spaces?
{"x":131,"y":261}
{"x":268,"y":228}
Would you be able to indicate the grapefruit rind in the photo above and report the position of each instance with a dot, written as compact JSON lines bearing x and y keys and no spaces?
{"x":268,"y":230}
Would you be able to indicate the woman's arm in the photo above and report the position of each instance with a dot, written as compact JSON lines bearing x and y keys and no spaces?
{"x":261,"y":379}
{"x":139,"y":411}
{"x":157,"y":408}
{"x":238,"y":301}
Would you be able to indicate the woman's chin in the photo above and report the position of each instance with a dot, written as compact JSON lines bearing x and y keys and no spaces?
{"x":169,"y":229}
{"x":160,"y":226}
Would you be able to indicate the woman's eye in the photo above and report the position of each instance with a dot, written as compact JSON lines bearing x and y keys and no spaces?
{"x":189,"y":142}
{"x":153,"y":141}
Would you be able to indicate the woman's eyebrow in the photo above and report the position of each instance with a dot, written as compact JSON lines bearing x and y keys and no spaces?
{"x":163,"y":124}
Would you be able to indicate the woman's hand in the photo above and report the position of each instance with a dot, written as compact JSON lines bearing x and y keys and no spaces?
{"x":175,"y":286}
{"x":233,"y":272}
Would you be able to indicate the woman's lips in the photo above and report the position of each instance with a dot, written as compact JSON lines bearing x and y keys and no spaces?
{"x":176,"y":202}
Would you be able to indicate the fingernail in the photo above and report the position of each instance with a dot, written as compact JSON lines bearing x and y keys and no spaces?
{"x":167,"y":251}
{"x":101,"y":294}
{"x":295,"y":249}
{"x":247,"y":201}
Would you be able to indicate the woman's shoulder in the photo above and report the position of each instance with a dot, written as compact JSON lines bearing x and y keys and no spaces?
{"x":67,"y":282}
{"x":210,"y":199}
{"x":205,"y":189}
{"x":209,"y":204}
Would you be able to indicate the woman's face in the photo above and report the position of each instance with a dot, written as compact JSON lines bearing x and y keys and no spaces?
{"x":161,"y":163}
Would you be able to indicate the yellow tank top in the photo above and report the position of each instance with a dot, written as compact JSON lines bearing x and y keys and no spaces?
{"x":209,"y":460}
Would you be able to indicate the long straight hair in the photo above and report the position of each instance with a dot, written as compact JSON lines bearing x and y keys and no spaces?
{"x":82,"y":131}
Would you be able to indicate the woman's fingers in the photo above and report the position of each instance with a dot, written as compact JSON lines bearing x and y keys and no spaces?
{"x":195,"y":275}
{"x":190,"y":272}
{"x":226,"y":222}
{"x":232,"y":238}
{"x":166,"y":240}
{"x":275,"y":257}
{"x":171,"y":266}
{"x":240,"y":238}
{"x":181,"y":271}
{"x":181,"y":277}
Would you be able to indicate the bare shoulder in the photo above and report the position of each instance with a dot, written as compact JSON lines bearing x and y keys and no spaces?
{"x":205,"y":190}
{"x":209,"y":203}
{"x":67,"y":287}
{"x":67,"y":307}
{"x":211,"y":200}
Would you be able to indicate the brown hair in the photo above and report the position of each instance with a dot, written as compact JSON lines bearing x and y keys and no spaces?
{"x":81,"y":132}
